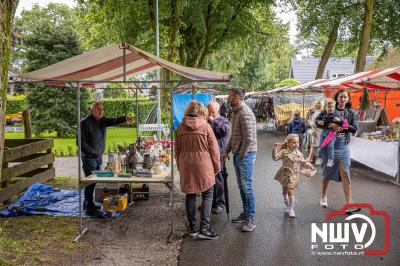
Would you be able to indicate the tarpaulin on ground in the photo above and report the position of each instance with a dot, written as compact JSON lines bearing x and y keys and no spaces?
{"x":43,"y":199}
{"x":182,"y":100}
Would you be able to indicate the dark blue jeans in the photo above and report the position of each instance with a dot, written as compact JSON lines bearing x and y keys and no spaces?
{"x":244,"y":174}
{"x":330,"y":148}
{"x":88,"y":166}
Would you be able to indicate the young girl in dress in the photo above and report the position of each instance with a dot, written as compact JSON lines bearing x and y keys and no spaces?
{"x":289,"y":173}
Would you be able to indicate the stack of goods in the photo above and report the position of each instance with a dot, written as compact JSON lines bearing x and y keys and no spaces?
{"x":144,"y":158}
{"x":384,"y":133}
{"x":112,"y":204}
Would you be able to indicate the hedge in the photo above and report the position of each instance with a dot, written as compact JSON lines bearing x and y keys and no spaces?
{"x":122,"y":106}
{"x":113,"y":107}
{"x":15,"y":104}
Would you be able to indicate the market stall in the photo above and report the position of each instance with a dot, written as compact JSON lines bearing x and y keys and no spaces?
{"x":121,"y":63}
{"x":384,"y":87}
{"x":289,"y":99}
{"x":379,"y":155}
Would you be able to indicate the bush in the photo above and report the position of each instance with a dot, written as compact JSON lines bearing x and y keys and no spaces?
{"x":287,"y":82}
{"x":15,"y":104}
{"x":53,"y":109}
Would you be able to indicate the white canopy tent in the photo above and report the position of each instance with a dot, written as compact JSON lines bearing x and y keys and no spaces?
{"x":118,"y":63}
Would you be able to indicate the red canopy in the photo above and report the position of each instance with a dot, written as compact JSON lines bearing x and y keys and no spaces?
{"x":388,"y":78}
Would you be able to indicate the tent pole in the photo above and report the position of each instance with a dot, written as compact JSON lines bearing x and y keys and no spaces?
{"x":78,"y":115}
{"x":124,"y":60}
{"x":137,"y":114}
{"x":398,"y":163}
{"x":304,"y":95}
{"x":384,"y":103}
{"x":171,"y":195}
{"x":158,"y":73}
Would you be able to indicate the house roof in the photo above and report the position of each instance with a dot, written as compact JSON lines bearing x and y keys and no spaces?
{"x":305,"y":69}
{"x":106,"y":64}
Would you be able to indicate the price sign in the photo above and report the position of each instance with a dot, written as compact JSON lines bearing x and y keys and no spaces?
{"x":152,"y":127}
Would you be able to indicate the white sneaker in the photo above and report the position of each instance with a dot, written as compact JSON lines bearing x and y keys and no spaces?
{"x":318,"y":161}
{"x":287,"y":210}
{"x":329,"y":163}
{"x":291,"y":213}
{"x":323,"y":202}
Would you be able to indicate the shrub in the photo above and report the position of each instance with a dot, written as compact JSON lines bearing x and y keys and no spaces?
{"x":15,"y":104}
{"x":123,"y":106}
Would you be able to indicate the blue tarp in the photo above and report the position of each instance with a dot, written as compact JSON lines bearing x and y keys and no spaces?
{"x":42,"y":199}
{"x":182,"y":100}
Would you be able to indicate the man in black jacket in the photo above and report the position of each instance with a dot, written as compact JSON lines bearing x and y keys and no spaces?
{"x":93,"y":140}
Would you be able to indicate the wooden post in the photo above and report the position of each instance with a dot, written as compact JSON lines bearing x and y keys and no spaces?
{"x":50,"y":151}
{"x":5,"y":182}
{"x":26,"y":114}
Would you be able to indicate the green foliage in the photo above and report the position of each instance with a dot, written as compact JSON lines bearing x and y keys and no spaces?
{"x":287,"y":82}
{"x":15,"y":104}
{"x":46,"y":36}
{"x":54,"y":109}
{"x":124,"y":106}
{"x":260,"y":58}
{"x":115,"y":91}
{"x":316,"y":17}
{"x":243,"y":38}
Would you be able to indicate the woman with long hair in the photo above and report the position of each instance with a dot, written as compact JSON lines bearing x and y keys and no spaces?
{"x":340,"y":171}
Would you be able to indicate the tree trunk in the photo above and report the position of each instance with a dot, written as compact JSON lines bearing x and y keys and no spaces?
{"x":206,"y":46}
{"x":365,"y":36}
{"x":328,"y":49}
{"x":7,"y":11}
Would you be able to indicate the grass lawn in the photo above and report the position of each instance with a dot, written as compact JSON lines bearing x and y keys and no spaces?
{"x":67,"y":146}
{"x":39,"y":239}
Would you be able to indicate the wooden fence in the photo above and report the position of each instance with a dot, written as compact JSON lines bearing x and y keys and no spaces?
{"x":25,"y":162}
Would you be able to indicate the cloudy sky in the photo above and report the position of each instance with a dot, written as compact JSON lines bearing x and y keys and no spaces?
{"x":27,"y":4}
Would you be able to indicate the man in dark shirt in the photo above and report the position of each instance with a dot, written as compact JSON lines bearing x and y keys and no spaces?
{"x":93,"y":140}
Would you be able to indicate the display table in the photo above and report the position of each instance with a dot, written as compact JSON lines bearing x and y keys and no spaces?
{"x":379,"y":155}
{"x":164,"y":178}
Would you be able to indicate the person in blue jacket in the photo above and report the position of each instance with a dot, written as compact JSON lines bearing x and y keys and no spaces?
{"x":221,"y":128}
{"x":297,"y":126}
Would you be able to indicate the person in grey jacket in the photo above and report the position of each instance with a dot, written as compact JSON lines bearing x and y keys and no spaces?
{"x":93,"y":139}
{"x":221,"y":127}
{"x":243,"y":145}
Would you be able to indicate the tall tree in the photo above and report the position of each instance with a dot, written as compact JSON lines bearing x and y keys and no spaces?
{"x":365,"y":35}
{"x":46,"y":36}
{"x":379,"y":20}
{"x":328,"y":49}
{"x":7,"y":11}
{"x":259,"y":59}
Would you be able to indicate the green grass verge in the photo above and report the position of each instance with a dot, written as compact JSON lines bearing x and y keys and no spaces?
{"x":67,"y":146}
{"x":39,"y":239}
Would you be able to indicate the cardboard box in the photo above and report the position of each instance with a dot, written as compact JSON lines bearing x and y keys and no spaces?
{"x":103,"y":190}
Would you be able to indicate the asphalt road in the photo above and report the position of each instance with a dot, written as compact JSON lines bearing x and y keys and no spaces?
{"x":279,"y":240}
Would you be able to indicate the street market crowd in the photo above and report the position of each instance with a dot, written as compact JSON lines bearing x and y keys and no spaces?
{"x":208,"y":135}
